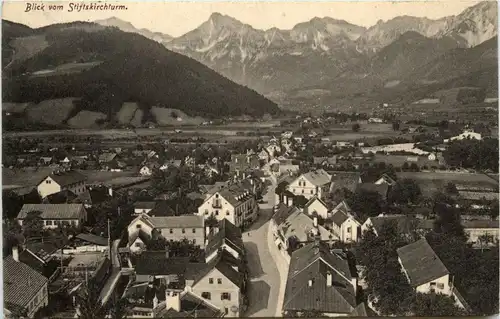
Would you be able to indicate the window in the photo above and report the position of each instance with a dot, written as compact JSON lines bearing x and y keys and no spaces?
{"x":194,"y":230}
{"x":137,"y":244}
{"x":194,"y":241}
{"x":225,"y":296}
{"x":226,"y":310}
{"x":183,"y":231}
{"x":312,"y":192}
{"x":210,"y":280}
{"x":216,"y":213}
{"x":349,"y":230}
{"x":219,"y":281}
{"x":227,"y":213}
{"x":206,"y":295}
{"x":440,"y":286}
{"x":294,"y":190}
{"x":48,"y":222}
{"x":138,"y":226}
{"x":302,"y":191}
{"x":171,"y":231}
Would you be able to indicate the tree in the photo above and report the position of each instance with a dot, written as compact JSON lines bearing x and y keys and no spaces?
{"x":484,"y":240}
{"x":356,"y":127}
{"x":405,"y":191}
{"x":89,"y":303}
{"x":119,"y":308}
{"x":33,"y":224}
{"x":436,"y":305}
{"x":451,"y":189}
{"x":211,"y":221}
{"x":448,"y":219}
{"x":366,"y":203}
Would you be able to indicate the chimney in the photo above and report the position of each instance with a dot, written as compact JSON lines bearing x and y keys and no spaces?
{"x":329,"y":279}
{"x":310,"y":283}
{"x":316,"y":245}
{"x":15,"y":253}
{"x":315,"y":221}
{"x":173,"y":300}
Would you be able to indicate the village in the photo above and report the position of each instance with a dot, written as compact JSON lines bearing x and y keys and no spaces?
{"x":295,"y":224}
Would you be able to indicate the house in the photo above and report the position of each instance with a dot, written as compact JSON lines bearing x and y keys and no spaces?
{"x":315,"y":183}
{"x":273,"y":148}
{"x":425,"y":272}
{"x":292,"y":229}
{"x":218,"y":283}
{"x":40,"y":257}
{"x":45,"y":160}
{"x":264,"y":155}
{"x":481,"y":230}
{"x":241,"y":163}
{"x":385,"y":179}
{"x":225,"y":236}
{"x":24,"y":289}
{"x":221,"y":284}
{"x":138,"y":241}
{"x":62,"y":180}
{"x":325,"y":161}
{"x":319,"y":280}
{"x":235,"y":203}
{"x":147,"y":170}
{"x":172,"y":228}
{"x":316,"y":206}
{"x":190,"y":306}
{"x":143,"y":207}
{"x":287,"y":134}
{"x":345,"y":225}
{"x":54,"y":215}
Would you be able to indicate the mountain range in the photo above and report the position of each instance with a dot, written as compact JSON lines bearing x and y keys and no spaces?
{"x":71,"y":73}
{"x":333,"y":57}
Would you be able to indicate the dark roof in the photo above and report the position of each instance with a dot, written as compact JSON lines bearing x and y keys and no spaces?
{"x":101,"y":271}
{"x":64,"y":178}
{"x":45,"y":266}
{"x":339,"y":218}
{"x":139,"y":234}
{"x":158,"y":263}
{"x":53,"y":211}
{"x":21,"y":283}
{"x":311,"y":264}
{"x":198,"y":271}
{"x":42,"y":249}
{"x":382,"y":189}
{"x":282,"y":213}
{"x":226,"y":233}
{"x":63,"y":197}
{"x":421,"y":262}
{"x":144,"y":205}
{"x":192,"y":307}
{"x":161,"y":209}
{"x":94,"y":239}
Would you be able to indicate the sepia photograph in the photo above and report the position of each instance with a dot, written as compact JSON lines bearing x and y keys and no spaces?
{"x":250,"y":159}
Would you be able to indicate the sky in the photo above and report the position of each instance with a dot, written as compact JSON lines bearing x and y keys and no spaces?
{"x":178,"y":18}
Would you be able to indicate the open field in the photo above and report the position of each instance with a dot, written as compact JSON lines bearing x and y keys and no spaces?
{"x":31,"y":176}
{"x":431,"y":182}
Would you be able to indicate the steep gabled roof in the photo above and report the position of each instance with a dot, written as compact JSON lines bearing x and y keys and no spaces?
{"x":228,"y":234}
{"x":311,"y":264}
{"x":192,"y":306}
{"x":282,"y":213}
{"x":21,"y":283}
{"x":65,"y":178}
{"x":313,"y":199}
{"x":421,"y":263}
{"x":341,"y":213}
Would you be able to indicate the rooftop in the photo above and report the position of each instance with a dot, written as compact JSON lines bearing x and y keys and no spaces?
{"x":64,"y":178}
{"x":53,"y":211}
{"x":421,"y":263}
{"x":318,"y":177}
{"x":225,"y":233}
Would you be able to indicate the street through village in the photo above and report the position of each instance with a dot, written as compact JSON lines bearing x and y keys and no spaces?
{"x":267,"y":267}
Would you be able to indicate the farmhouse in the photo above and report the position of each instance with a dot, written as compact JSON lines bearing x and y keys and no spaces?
{"x":62,"y":180}
{"x":54,"y":215}
{"x":345,"y":224}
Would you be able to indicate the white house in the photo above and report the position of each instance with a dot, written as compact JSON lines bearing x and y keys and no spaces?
{"x":385,"y":179}
{"x":146,"y":171}
{"x":61,"y":180}
{"x":316,"y":205}
{"x":235,"y":203}
{"x":344,"y":223}
{"x":54,"y":215}
{"x":315,"y":183}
